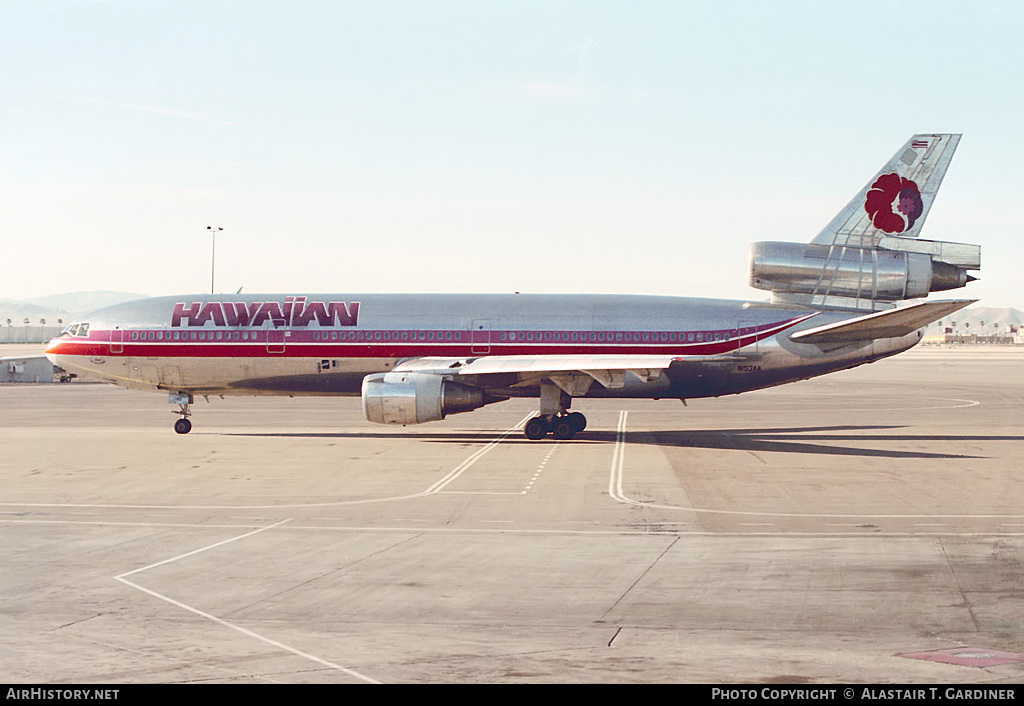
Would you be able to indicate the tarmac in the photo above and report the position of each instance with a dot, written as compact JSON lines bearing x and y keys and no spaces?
{"x":863,"y":527}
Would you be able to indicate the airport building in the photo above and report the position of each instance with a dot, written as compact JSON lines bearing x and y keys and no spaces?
{"x":27,"y":369}
{"x":12,"y":332}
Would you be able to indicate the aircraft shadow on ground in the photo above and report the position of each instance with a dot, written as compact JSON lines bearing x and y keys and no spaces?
{"x":828,"y":440}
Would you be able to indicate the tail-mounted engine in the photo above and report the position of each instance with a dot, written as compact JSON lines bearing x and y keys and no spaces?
{"x":861,"y":277}
{"x":414,"y":398}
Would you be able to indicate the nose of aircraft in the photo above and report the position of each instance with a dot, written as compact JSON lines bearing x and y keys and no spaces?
{"x":52,"y":345}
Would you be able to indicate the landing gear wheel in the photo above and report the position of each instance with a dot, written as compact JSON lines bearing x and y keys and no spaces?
{"x":578,"y":420}
{"x":184,"y":402}
{"x":536,"y":428}
{"x":563,"y":428}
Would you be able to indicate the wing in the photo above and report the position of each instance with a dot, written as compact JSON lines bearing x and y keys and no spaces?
{"x":574,"y":374}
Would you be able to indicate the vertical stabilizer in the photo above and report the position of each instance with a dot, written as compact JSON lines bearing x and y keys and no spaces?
{"x":869,"y":257}
{"x":897,"y":199}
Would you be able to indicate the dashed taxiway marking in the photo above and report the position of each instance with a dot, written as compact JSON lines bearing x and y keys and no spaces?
{"x":540,"y":469}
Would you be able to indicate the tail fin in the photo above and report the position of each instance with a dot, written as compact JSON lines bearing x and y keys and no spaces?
{"x":897,"y":200}
{"x":867,"y":257}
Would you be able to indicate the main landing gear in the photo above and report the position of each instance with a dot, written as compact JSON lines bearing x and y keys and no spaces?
{"x":561,"y":426}
{"x":184,"y":401}
{"x":555,"y":417}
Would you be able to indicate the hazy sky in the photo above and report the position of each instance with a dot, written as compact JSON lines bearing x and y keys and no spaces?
{"x":633,"y":147}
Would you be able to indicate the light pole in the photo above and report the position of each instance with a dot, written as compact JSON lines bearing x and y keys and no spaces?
{"x":213,"y":252}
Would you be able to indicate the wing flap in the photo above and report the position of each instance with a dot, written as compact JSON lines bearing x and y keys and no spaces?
{"x":892,"y":323}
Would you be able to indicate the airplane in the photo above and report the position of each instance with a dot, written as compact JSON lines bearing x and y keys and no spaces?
{"x":414,"y":358}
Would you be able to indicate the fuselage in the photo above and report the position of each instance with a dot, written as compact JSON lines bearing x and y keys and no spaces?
{"x":326,"y":344}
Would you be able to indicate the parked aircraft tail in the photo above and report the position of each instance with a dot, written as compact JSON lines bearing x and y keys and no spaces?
{"x":897,"y":199}
{"x":869,"y":256}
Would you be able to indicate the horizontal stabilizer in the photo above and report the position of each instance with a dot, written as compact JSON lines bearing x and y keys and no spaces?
{"x":892,"y":323}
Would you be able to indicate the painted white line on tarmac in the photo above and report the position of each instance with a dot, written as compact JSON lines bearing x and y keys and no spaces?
{"x":618,"y":460}
{"x":220,"y":621}
{"x":615,"y":491}
{"x":540,"y":470}
{"x":435,"y":488}
{"x":465,"y":465}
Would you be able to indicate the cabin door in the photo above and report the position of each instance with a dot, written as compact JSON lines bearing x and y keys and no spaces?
{"x":480,"y":337}
{"x":275,"y":340}
{"x":747,"y":331}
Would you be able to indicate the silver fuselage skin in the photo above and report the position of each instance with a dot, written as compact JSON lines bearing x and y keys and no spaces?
{"x":325,"y":344}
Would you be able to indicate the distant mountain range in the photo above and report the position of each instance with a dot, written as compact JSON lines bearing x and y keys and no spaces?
{"x":58,"y":306}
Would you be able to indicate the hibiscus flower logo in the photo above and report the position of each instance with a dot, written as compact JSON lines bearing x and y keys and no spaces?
{"x":894,"y":203}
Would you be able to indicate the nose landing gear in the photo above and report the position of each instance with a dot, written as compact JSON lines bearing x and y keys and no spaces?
{"x":184,"y":402}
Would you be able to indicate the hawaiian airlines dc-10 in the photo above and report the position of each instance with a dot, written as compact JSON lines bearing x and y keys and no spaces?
{"x":417,"y":358}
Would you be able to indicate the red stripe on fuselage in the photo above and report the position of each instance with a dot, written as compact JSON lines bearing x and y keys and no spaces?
{"x":301,"y":344}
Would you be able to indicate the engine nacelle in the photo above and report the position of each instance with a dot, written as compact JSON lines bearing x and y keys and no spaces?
{"x":869,"y":273}
{"x":414,"y":398}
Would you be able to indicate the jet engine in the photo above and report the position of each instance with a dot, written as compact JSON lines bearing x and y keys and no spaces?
{"x":414,"y":398}
{"x":868,"y":273}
